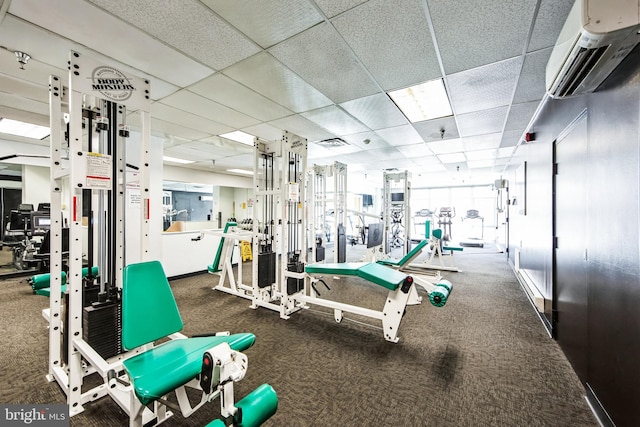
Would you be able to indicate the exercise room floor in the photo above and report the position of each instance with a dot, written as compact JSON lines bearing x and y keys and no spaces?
{"x":484,"y":359}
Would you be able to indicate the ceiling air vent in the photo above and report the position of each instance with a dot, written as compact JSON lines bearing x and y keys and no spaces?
{"x":332,"y":142}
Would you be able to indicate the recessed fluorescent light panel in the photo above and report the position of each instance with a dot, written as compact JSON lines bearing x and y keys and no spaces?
{"x":176,"y":160}
{"x":425,"y":101}
{"x":240,"y":171}
{"x":27,"y":130}
{"x":239,"y":136}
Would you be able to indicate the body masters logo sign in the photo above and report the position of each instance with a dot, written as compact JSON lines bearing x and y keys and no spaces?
{"x":112,"y":84}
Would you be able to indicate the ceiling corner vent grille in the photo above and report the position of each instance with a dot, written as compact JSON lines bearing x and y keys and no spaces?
{"x":332,"y":142}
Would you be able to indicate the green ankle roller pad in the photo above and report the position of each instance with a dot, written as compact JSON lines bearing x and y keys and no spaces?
{"x":46,"y":292}
{"x":440,"y":294}
{"x":256,"y":407}
{"x":40,"y":281}
{"x":216,"y":423}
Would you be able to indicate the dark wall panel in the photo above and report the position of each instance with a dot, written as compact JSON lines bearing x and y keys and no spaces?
{"x":610,"y":334}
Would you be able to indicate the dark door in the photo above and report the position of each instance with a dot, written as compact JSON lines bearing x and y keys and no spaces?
{"x":570,"y":226}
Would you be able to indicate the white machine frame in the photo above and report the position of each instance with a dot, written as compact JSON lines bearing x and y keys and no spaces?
{"x":392,"y":182}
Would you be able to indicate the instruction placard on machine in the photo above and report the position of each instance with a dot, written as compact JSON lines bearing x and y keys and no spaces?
{"x":98,"y":171}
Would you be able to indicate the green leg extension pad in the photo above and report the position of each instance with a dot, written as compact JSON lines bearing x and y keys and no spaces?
{"x":440,"y":294}
{"x":256,"y":407}
{"x":216,"y":423}
{"x":42,"y":281}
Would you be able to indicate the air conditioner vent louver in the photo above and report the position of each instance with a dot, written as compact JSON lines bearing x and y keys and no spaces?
{"x":332,"y":142}
{"x":594,"y":40}
{"x":583,"y":63}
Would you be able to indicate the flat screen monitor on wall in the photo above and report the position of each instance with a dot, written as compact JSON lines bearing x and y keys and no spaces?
{"x":397,"y":197}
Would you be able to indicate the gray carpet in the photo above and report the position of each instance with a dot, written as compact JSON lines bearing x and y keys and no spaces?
{"x":482,"y":360}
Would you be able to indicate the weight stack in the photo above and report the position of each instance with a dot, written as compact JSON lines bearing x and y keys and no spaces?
{"x":295,"y":285}
{"x":102,"y":327}
{"x":266,"y":269}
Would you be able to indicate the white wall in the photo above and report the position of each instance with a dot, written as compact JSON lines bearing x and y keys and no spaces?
{"x":36,"y":185}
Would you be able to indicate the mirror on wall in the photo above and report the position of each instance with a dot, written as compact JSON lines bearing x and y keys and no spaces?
{"x":196,"y":206}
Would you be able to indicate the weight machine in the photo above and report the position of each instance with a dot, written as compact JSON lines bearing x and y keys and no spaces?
{"x":324,"y":204}
{"x":279,"y":224}
{"x":106,"y":320}
{"x":396,"y":211}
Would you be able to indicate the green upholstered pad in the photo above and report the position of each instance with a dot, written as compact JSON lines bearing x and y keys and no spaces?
{"x":40,"y":281}
{"x":340,"y":269}
{"x":216,"y":423}
{"x":256,"y":407}
{"x":453,"y":248}
{"x":437,"y":233}
{"x":172,"y":364}
{"x":215,"y":267}
{"x":376,"y":273}
{"x":149,"y":310}
{"x":407,"y":258}
{"x":381,"y":275}
{"x":440,"y":294}
{"x":46,"y":292}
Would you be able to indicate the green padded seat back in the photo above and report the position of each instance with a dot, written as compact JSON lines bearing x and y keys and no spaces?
{"x":215,"y":267}
{"x":437,"y":233}
{"x":149,"y":310}
{"x":407,"y":258}
{"x":174,"y":363}
{"x":338,"y":268}
{"x":381,"y":275}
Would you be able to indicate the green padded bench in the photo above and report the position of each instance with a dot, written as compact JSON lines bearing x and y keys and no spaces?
{"x":407,"y":258}
{"x":149,"y":313}
{"x":376,"y":273}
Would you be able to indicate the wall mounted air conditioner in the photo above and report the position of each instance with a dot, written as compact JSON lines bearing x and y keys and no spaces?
{"x":596,"y":37}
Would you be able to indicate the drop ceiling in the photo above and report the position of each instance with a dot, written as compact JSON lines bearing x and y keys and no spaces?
{"x":318,"y":68}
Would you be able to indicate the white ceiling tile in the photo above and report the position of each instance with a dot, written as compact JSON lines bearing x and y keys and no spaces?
{"x":496,"y":31}
{"x":479,"y":164}
{"x":375,"y":141}
{"x":332,"y":8}
{"x":520,"y":115}
{"x":376,"y":111}
{"x":203,"y":107}
{"x":451,"y":157}
{"x":511,"y":138}
{"x":9,"y":85}
{"x":335,"y":120}
{"x":551,"y":17}
{"x":481,"y":155}
{"x":481,"y":122}
{"x":225,"y":91}
{"x":20,"y":103}
{"x":385,"y":32}
{"x":270,"y":23}
{"x":218,"y":44}
{"x":400,"y":135}
{"x":75,"y":20}
{"x":163,"y":127}
{"x":332,"y":69}
{"x":504,"y":152}
{"x":484,"y":87}
{"x":381,"y":155}
{"x":482,"y":142}
{"x":185,"y":152}
{"x":314,"y":151}
{"x":174,"y":115}
{"x":446,"y":146}
{"x":428,"y":162}
{"x":432,"y":130}
{"x":222,"y":146}
{"x":303,"y":127}
{"x":264,"y":131}
{"x":501,"y":162}
{"x":531,"y":84}
{"x":267,"y":76}
{"x":414,"y":150}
